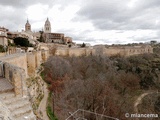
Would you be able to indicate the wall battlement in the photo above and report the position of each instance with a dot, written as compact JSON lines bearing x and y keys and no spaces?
{"x":17,"y":67}
{"x":109,"y":51}
{"x":26,"y":63}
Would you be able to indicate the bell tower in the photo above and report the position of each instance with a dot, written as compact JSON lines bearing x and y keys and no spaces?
{"x":27,"y":26}
{"x":47,"y":26}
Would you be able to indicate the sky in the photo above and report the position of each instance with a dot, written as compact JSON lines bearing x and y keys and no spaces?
{"x":88,"y":21}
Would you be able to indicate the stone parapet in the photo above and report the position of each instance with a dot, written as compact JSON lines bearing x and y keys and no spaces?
{"x":16,"y":59}
{"x":16,"y":77}
{"x":31,"y":64}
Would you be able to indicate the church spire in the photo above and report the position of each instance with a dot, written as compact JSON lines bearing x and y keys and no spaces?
{"x":27,"y":20}
{"x":27,"y":26}
{"x":47,"y":26}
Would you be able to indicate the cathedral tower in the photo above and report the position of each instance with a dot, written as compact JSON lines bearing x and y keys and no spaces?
{"x":47,"y":26}
{"x":27,"y":26}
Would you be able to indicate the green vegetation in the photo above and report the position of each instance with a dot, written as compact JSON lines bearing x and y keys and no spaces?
{"x":83,"y":45}
{"x":49,"y":101}
{"x":2,"y":48}
{"x":23,"y":42}
{"x":41,"y":39}
{"x":31,"y":83}
{"x":42,"y":75}
{"x":10,"y":44}
{"x":49,"y":110}
{"x":50,"y":114}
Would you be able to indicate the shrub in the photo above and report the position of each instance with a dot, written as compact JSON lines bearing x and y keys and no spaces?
{"x":21,"y":41}
{"x":2,"y":48}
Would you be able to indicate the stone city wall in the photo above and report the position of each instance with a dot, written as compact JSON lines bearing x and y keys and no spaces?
{"x":77,"y":52}
{"x":27,"y":63}
{"x":73,"y":52}
{"x":101,"y":50}
{"x":38,"y":58}
{"x":31,"y":64}
{"x":18,"y":67}
{"x":45,"y":55}
{"x":62,"y":52}
{"x":16,"y":76}
{"x":34,"y":60}
{"x":113,"y":51}
{"x":16,"y":59}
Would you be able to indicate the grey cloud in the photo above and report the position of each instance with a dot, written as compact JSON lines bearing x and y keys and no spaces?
{"x":23,"y":3}
{"x":144,"y":39}
{"x":116,"y":15}
{"x":13,"y":12}
{"x":104,"y":15}
{"x":12,"y":17}
{"x":158,"y":35}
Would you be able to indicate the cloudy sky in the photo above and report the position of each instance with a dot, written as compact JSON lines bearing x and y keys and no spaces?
{"x":89,"y":21}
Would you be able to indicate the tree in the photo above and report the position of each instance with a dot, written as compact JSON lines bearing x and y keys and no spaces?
{"x":83,"y":45}
{"x":56,"y":69}
{"x":10,"y":44}
{"x":157,"y":105}
{"x":100,"y":84}
{"x":21,"y":41}
{"x":2,"y":49}
{"x":41,"y":39}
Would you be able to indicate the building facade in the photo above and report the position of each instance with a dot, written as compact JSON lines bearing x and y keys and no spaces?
{"x":45,"y":34}
{"x":3,"y":36}
{"x":27,"y":27}
{"x":54,"y":38}
{"x":47,"y":26}
{"x":67,"y":40}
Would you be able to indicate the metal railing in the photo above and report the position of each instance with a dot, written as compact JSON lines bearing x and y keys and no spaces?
{"x":88,"y":115}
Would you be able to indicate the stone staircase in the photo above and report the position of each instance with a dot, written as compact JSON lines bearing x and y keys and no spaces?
{"x":18,"y":106}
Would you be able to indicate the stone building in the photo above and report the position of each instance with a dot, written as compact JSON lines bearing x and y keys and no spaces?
{"x":54,"y":38}
{"x":12,"y":35}
{"x":3,"y":36}
{"x":46,"y":35}
{"x":47,"y":26}
{"x":50,"y":37}
{"x":27,"y":26}
{"x":67,"y":40}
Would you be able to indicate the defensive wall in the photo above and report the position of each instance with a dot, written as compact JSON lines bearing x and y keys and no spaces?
{"x":17,"y":67}
{"x":108,"y":51}
{"x":16,"y":59}
{"x":17,"y":77}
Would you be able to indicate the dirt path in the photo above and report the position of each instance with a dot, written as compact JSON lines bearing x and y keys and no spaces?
{"x":139,"y":100}
{"x":43,"y":104}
